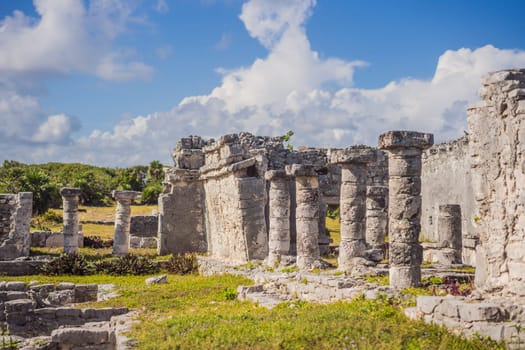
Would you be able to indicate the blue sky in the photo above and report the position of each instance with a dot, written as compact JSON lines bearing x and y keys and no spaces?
{"x":116,"y":82}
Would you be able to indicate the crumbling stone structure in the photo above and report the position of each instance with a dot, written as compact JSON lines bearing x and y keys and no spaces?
{"x":353,"y":161}
{"x":123,"y":220}
{"x":445,"y":179}
{"x":404,"y":167}
{"x":70,"y":198}
{"x":497,"y":159}
{"x":15,"y":219}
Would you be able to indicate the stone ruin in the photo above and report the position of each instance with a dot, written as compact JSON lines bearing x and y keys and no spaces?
{"x":245,"y":197}
{"x":15,"y":219}
{"x":44,"y":317}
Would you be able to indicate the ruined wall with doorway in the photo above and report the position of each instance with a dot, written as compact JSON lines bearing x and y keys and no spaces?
{"x":445,"y":180}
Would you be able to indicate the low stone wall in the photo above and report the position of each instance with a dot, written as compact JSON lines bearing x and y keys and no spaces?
{"x":53,"y":239}
{"x":33,"y":311}
{"x":495,"y":319}
{"x":144,"y":226}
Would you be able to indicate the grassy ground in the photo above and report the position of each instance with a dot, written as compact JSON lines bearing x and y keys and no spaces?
{"x":99,"y":214}
{"x":195,"y":312}
{"x":334,"y":227}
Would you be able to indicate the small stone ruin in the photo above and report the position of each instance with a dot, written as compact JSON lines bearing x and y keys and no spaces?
{"x":43,"y":316}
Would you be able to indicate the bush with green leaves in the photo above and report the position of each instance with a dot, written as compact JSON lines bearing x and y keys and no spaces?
{"x":67,"y":264}
{"x":128,"y":264}
{"x":182,"y":264}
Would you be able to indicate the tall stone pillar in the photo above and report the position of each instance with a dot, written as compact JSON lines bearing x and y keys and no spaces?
{"x":376,"y":220}
{"x":352,"y":206}
{"x":279,"y":215}
{"x":306,"y":215}
{"x":404,"y":167}
{"x":449,"y":229}
{"x":123,"y":220}
{"x":70,"y":197}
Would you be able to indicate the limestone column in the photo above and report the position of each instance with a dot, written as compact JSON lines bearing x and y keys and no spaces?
{"x":279,"y":215}
{"x":306,"y":215}
{"x":70,"y":197}
{"x":353,"y":161}
{"x":123,"y":220}
{"x":404,"y":212}
{"x":449,"y":229}
{"x":376,"y":219}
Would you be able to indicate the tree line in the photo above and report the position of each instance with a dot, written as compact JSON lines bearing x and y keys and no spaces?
{"x":96,"y":183}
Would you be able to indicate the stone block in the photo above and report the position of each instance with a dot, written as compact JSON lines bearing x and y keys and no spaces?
{"x":480,"y":312}
{"x":405,"y":139}
{"x":48,"y":313}
{"x":79,"y":336}
{"x":427,"y":304}
{"x":21,"y":306}
{"x":63,"y":312}
{"x":354,"y":154}
{"x":449,"y":307}
{"x":85,"y":293}
{"x":16,"y":295}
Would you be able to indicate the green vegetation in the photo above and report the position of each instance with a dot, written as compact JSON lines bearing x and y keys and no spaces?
{"x":195,"y":312}
{"x":96,"y":183}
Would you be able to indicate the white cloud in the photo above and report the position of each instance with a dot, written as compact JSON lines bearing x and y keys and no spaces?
{"x":164,"y":52}
{"x":55,"y":129}
{"x":295,"y":89}
{"x":66,"y":36}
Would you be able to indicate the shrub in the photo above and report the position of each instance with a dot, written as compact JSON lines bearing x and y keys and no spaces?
{"x":67,"y":264}
{"x":182,"y":264}
{"x":52,"y":216}
{"x":128,"y":265}
{"x":97,"y":242}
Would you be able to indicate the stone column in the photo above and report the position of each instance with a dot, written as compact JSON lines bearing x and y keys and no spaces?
{"x":306,"y":215}
{"x":279,"y":215}
{"x":449,"y":229}
{"x":404,"y":212}
{"x":123,"y":220}
{"x":376,"y":220}
{"x":352,"y":206}
{"x":70,"y":197}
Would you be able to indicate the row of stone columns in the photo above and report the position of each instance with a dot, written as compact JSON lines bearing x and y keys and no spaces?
{"x":404,"y":196}
{"x":70,"y":199}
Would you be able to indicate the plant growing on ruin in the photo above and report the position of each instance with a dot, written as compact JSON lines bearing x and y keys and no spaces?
{"x":182,"y":264}
{"x":286,"y":138}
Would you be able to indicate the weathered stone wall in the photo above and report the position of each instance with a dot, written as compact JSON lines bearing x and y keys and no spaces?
{"x":181,"y":214}
{"x":15,"y":219}
{"x":446,"y":179}
{"x":496,"y":129}
{"x":144,"y":226}
{"x":235,"y":197}
{"x":181,"y":225}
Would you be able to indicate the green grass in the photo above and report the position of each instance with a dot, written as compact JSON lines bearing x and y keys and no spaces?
{"x":195,"y":312}
{"x":334,"y":228}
